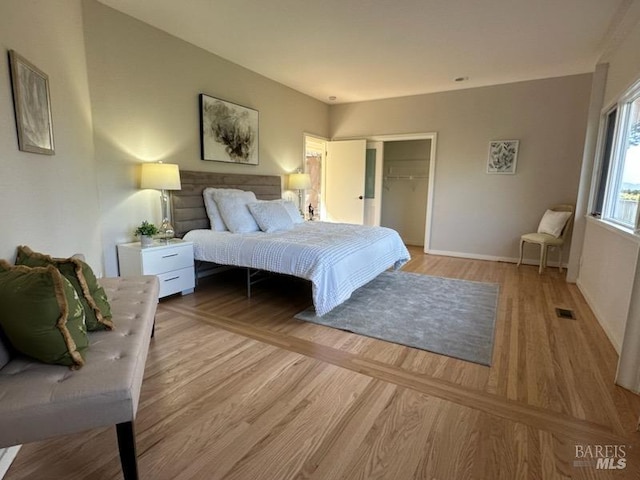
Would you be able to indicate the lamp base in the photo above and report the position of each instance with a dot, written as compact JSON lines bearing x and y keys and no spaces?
{"x":166,"y":230}
{"x":300,"y":209}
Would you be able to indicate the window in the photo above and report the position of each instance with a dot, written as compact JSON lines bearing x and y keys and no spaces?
{"x":609,"y":130}
{"x":618,"y":192}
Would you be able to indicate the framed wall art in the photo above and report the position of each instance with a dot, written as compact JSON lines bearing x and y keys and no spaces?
{"x":228,"y":132}
{"x":503,"y":156}
{"x":32,"y":104}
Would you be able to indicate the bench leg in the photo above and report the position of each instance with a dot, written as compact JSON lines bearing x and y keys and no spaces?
{"x":127,"y":447}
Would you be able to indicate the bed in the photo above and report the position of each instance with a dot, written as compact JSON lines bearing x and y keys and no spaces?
{"x":336,"y":258}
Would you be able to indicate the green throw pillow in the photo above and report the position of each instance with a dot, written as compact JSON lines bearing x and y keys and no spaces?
{"x":41,"y":314}
{"x":92,"y":295}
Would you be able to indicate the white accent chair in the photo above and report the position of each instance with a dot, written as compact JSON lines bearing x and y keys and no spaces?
{"x":546,"y":240}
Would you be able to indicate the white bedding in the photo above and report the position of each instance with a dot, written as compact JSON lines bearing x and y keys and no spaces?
{"x":337,"y":258}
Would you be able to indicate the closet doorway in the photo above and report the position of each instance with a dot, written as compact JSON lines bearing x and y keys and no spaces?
{"x":405,"y":183}
{"x":405,"y":177}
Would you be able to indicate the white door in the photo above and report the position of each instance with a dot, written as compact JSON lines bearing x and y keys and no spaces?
{"x":373,"y":184}
{"x":344,"y":181}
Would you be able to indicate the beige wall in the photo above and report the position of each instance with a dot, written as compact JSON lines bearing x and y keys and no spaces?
{"x":144,"y":92}
{"x":610,"y":258}
{"x":475,"y":214}
{"x":606,"y":277}
{"x":624,"y":65}
{"x":49,"y":202}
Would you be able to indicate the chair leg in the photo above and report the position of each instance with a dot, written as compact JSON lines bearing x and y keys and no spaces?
{"x":127,"y":446}
{"x":545,"y":255}
{"x":543,"y":251}
{"x":560,"y":258}
{"x":520,"y":259}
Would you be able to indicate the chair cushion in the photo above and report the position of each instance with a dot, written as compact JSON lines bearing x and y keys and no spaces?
{"x":92,"y":295}
{"x":542,"y":239}
{"x":41,"y":314}
{"x":553,"y":222}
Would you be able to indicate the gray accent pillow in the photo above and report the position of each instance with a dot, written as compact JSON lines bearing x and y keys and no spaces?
{"x":236,"y":214}
{"x":271,"y":216}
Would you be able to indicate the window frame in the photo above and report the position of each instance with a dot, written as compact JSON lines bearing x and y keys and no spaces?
{"x":612,"y":177}
{"x":600,"y":177}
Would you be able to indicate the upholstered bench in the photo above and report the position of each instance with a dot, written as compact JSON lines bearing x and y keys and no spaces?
{"x":38,"y":401}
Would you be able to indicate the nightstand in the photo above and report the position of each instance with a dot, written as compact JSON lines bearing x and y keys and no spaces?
{"x":172,"y":262}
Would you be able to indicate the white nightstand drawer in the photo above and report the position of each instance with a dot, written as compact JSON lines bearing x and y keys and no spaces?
{"x":172,"y":262}
{"x":155,"y":261}
{"x":176,"y":281}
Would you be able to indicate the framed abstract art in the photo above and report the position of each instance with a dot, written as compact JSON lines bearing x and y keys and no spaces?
{"x":228,"y":132}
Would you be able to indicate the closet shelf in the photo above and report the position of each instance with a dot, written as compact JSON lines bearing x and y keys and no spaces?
{"x":405,"y":177}
{"x":387,"y":159}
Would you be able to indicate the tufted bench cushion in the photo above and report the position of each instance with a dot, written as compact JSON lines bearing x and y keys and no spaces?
{"x":38,"y":401}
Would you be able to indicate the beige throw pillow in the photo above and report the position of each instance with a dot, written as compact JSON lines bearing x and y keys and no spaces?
{"x":553,"y":223}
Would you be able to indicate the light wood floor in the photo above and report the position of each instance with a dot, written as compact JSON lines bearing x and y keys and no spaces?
{"x":238,"y":389}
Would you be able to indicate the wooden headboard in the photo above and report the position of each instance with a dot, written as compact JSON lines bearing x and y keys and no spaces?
{"x":187,"y":205}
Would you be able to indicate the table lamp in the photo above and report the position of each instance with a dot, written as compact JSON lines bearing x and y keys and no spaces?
{"x":163,"y":177}
{"x":299,"y":181}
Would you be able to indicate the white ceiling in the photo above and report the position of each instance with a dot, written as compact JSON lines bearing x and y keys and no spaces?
{"x":368,"y":49}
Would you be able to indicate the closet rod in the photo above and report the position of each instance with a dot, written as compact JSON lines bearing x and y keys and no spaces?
{"x":404,"y":177}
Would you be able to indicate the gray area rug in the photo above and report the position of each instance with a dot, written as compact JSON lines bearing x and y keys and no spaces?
{"x":442,"y":315}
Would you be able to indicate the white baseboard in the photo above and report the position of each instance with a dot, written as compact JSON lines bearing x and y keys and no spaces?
{"x":492,"y":258}
{"x":598,"y":316}
{"x":6,"y":458}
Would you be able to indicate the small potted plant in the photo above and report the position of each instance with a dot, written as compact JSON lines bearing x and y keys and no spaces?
{"x":146,"y":231}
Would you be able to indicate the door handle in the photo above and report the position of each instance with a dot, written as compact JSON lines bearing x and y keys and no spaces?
{"x":360,"y":197}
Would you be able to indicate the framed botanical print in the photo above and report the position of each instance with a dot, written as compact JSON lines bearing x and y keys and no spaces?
{"x":503,"y":156}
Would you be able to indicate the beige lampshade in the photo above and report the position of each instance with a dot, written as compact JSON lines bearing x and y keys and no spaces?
{"x":161,"y":176}
{"x":299,"y":181}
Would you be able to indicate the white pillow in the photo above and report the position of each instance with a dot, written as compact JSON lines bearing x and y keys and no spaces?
{"x":249,"y":196}
{"x":271,"y":216}
{"x":236,"y":214}
{"x":553,"y":223}
{"x":292,"y":210}
{"x":215,"y":220}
